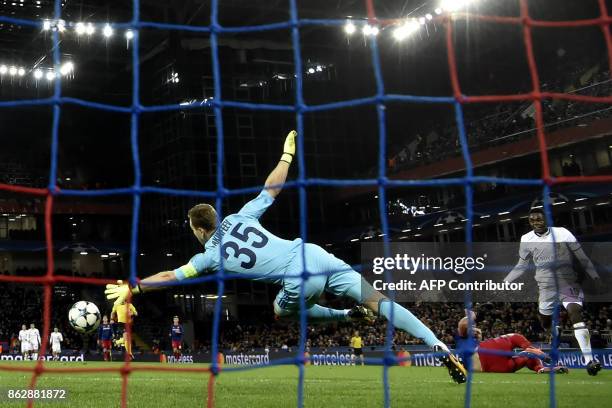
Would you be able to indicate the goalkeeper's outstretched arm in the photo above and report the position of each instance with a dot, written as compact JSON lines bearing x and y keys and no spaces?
{"x":277,"y":177}
{"x":122,"y":290}
{"x":160,"y":280}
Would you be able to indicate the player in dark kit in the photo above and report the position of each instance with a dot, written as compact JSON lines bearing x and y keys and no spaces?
{"x":176,"y":335}
{"x":105,"y":337}
{"x":486,"y":359}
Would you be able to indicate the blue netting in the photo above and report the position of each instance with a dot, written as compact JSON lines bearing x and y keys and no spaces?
{"x":136,"y":109}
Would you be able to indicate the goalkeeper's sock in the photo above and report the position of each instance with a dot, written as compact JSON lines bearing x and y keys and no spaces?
{"x":584,"y":341}
{"x":320,"y":314}
{"x":406,"y":321}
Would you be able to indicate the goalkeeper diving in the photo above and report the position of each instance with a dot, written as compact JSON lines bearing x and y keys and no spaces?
{"x":249,"y":249}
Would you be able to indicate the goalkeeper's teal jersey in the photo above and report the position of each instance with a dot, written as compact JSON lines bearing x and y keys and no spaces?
{"x":245,"y":246}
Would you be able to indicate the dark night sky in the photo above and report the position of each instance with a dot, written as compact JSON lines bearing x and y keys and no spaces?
{"x":491,"y":59}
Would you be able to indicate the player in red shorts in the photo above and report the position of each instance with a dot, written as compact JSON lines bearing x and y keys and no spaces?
{"x":176,"y":334}
{"x":105,"y":338}
{"x":486,"y":358}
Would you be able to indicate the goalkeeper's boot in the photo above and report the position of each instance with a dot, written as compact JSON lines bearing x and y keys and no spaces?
{"x":361,"y":314}
{"x":593,"y":367}
{"x":456,"y":370}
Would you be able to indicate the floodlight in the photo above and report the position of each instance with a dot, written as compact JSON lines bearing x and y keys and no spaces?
{"x":107,"y":31}
{"x":349,"y":28}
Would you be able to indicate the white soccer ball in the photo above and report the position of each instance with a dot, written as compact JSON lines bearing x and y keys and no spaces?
{"x":84,"y":316}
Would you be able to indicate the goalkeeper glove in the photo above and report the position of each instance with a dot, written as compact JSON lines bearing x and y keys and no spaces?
{"x":289,"y":147}
{"x":120,"y":291}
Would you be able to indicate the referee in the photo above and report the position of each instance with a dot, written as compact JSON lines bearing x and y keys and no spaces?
{"x":356,"y":344}
{"x":122,"y":314}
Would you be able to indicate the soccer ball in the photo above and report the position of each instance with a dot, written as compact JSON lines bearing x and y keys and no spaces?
{"x":84,"y":316}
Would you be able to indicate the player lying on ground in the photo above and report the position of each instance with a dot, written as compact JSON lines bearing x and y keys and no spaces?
{"x":250,"y":250}
{"x":484,"y":359}
{"x":555,"y":273}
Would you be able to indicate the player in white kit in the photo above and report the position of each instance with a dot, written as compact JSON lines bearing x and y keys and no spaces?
{"x":34,"y":337}
{"x":24,"y":340}
{"x":56,"y":340}
{"x":553,"y":250}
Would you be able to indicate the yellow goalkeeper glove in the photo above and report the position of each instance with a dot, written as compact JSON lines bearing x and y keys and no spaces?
{"x":289,"y":147}
{"x":120,"y":291}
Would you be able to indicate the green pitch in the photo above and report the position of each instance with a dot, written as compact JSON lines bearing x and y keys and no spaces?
{"x":333,"y":387}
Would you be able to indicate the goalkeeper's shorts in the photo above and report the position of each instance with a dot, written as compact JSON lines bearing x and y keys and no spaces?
{"x":329,"y":274}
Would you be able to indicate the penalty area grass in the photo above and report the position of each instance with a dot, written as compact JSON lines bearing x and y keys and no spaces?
{"x":324,"y":386}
